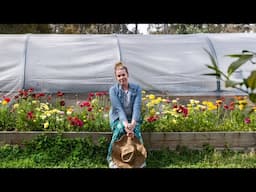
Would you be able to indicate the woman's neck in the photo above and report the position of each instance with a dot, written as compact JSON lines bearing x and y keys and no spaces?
{"x":125,"y":87}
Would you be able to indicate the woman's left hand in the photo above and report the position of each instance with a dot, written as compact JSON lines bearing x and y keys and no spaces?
{"x":131,"y":126}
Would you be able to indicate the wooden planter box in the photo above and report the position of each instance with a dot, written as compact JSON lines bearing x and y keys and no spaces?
{"x":155,"y":140}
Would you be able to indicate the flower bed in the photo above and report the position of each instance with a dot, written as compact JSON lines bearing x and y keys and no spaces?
{"x":30,"y":111}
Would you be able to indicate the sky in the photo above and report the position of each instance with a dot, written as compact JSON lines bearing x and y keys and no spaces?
{"x":141,"y":27}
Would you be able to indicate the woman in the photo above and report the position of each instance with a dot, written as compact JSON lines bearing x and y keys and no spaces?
{"x":125,"y":111}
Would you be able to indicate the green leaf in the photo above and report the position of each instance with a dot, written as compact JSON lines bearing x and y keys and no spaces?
{"x":236,"y":64}
{"x":214,"y":66}
{"x":251,"y":80}
{"x":214,"y":63}
{"x":230,"y":83}
{"x":211,"y":67}
{"x":252,"y":97}
{"x":238,"y":55}
{"x":245,"y":83}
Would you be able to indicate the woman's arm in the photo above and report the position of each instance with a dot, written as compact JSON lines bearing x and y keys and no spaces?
{"x":116,"y":104}
{"x":137,"y":107}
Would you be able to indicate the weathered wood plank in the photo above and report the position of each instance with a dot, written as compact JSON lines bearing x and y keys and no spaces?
{"x":155,"y":140}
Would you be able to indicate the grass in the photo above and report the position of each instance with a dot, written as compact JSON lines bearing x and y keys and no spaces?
{"x":58,"y":152}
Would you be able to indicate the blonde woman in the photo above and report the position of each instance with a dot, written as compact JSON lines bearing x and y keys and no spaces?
{"x":125,"y":111}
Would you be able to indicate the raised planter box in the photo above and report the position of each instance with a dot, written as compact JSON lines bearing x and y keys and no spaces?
{"x":155,"y":140}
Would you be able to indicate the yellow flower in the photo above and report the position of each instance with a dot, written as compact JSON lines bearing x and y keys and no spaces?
{"x":48,"y":113}
{"x":152,"y":112}
{"x":210,"y":105}
{"x":4,"y":102}
{"x":15,"y":106}
{"x":44,"y":106}
{"x":151,"y":96}
{"x":242,"y":102}
{"x":95,"y":102}
{"x":149,"y":104}
{"x":155,"y":101}
{"x":241,"y":107}
{"x":159,"y":99}
{"x":46,"y":124}
{"x":69,"y":111}
{"x":42,"y":117}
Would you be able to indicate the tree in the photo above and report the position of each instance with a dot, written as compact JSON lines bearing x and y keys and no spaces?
{"x":199,"y":28}
{"x":24,"y":28}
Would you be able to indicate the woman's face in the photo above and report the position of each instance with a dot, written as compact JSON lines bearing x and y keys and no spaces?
{"x":122,"y":77}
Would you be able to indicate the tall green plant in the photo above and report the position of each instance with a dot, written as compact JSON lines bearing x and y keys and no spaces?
{"x":247,"y":85}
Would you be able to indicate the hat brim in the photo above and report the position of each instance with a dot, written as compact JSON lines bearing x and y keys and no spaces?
{"x":140,"y":153}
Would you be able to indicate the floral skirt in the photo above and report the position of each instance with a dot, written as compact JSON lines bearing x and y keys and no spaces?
{"x":118,"y":130}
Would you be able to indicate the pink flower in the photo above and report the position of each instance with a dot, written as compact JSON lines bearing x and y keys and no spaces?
{"x":247,"y":120}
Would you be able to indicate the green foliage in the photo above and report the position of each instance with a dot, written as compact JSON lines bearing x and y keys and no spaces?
{"x":24,"y":28}
{"x":53,"y":150}
{"x":208,"y":157}
{"x":218,"y":73}
{"x":248,"y":84}
{"x":242,"y":59}
{"x":177,"y":28}
{"x":9,"y":151}
{"x":58,"y":152}
{"x":6,"y":118}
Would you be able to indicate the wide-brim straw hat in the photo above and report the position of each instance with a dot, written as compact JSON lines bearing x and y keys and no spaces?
{"x":128,"y":152}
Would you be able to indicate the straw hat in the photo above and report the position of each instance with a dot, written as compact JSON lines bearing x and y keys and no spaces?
{"x":128,"y":152}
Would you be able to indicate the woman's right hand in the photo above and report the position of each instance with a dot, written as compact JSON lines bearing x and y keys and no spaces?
{"x":129,"y":129}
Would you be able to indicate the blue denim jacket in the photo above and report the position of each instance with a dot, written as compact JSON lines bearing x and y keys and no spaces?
{"x":117,"y":100}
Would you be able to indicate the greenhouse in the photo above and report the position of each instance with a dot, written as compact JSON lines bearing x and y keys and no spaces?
{"x":172,"y":64}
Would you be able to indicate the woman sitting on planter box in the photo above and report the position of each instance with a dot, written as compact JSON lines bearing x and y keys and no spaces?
{"x":125,"y":114}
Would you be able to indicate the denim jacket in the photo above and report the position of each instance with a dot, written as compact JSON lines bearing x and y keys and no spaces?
{"x":117,"y":100}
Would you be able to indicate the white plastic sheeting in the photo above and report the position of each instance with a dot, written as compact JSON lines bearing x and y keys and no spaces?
{"x":172,"y":64}
{"x":168,"y":63}
{"x":12,"y":62}
{"x":70,"y":63}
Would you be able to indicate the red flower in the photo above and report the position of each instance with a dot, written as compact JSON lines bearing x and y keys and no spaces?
{"x":75,"y":121}
{"x":7,"y":99}
{"x":91,"y":94}
{"x":30,"y":115}
{"x":152,"y":119}
{"x":60,"y":94}
{"x":62,"y":103}
{"x":85,"y":104}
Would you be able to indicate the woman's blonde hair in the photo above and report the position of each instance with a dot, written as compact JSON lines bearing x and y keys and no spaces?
{"x":120,"y":65}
